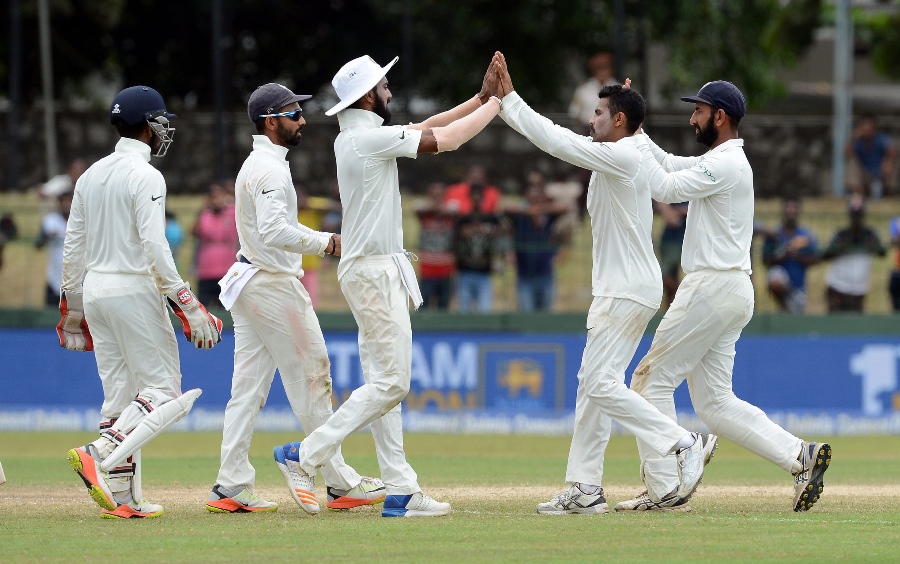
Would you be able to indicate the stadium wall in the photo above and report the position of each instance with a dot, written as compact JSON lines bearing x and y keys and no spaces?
{"x":514,"y":373}
{"x":790,"y":152}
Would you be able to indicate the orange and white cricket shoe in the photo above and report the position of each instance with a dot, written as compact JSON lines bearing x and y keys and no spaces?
{"x":237,"y":500}
{"x":95,"y":479}
{"x":370,"y":491}
{"x":142,"y":510}
{"x":301,"y":484}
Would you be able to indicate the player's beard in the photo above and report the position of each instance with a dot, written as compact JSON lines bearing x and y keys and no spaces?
{"x":381,"y":110}
{"x":285,"y":135}
{"x":708,"y":134}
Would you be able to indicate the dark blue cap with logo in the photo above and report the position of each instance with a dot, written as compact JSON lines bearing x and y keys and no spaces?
{"x":721,"y":94}
{"x":136,"y":104}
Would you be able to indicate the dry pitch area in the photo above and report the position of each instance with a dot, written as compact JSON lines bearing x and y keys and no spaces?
{"x":741,"y":512}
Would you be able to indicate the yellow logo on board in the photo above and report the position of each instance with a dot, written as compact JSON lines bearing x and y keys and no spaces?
{"x":522,"y":374}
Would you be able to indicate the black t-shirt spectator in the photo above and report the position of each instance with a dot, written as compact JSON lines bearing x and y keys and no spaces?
{"x":476,"y":240}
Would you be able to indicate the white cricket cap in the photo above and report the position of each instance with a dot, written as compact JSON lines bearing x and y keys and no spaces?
{"x":355,"y":79}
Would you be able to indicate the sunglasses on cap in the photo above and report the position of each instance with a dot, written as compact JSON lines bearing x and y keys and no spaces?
{"x":293,"y":114}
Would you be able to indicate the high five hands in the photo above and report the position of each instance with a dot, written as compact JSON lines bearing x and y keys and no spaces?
{"x":497,"y":81}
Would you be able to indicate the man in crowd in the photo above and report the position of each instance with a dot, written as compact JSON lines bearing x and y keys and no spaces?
{"x":437,"y":265}
{"x":788,"y":252}
{"x":850,"y":253}
{"x":52,"y":236}
{"x":871,"y":158}
{"x":478,"y":242}
{"x":533,"y":229}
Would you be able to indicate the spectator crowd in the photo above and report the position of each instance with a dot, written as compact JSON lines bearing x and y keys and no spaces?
{"x":472,"y":239}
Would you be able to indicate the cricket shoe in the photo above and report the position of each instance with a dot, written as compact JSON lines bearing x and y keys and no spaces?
{"x":85,"y":462}
{"x":142,"y":510}
{"x":573,"y":501}
{"x":237,"y":500}
{"x":415,"y":505}
{"x":710,"y":443}
{"x":301,"y":484}
{"x":642,"y":502}
{"x":370,"y":491}
{"x":814,"y":460}
{"x":691,"y":462}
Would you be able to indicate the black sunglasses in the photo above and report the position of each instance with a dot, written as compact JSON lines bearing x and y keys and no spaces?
{"x":293,"y":114}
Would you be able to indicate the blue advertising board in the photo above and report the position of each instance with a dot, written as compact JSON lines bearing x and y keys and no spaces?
{"x":482,"y":382}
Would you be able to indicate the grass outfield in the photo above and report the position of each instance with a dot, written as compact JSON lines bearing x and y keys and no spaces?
{"x":742,"y":511}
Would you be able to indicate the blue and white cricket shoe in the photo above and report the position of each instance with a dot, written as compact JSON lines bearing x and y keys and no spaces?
{"x":415,"y":505}
{"x":301,"y":485}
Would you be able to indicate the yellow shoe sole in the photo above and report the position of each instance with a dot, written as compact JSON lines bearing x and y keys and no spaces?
{"x":95,"y":492}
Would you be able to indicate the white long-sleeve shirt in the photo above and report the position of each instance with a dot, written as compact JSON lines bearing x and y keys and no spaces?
{"x":366,"y":153}
{"x":271,"y":237}
{"x":718,"y":187}
{"x":117,"y":223}
{"x":618,"y":203}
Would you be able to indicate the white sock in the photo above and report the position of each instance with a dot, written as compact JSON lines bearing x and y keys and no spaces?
{"x":686,"y":441}
{"x":587,"y":488}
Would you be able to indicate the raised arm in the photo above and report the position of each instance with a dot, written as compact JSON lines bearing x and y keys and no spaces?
{"x":684,"y":185}
{"x":449,"y":130}
{"x":668,"y":161}
{"x":556,"y":140}
{"x":444,"y":119}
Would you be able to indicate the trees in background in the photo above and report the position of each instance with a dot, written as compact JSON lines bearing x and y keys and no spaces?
{"x":444,"y":45}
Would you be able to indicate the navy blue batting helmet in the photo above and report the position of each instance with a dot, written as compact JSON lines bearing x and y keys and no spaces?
{"x":136,"y":104}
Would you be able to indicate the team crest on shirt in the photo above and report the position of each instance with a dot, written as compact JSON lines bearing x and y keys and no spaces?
{"x":706,"y":171}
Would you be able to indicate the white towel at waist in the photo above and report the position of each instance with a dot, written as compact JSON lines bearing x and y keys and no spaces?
{"x":234,"y":281}
{"x":409,"y":276}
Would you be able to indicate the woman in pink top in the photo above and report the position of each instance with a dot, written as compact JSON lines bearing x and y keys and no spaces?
{"x":217,"y":244}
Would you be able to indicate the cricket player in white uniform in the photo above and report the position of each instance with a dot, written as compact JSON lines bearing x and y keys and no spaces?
{"x":627,"y":287}
{"x":376,"y":276}
{"x":118,"y":274}
{"x":274,"y":322}
{"x":696,"y":338}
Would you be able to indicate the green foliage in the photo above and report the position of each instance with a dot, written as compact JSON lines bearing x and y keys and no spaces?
{"x":444,"y":46}
{"x":742,"y":42}
{"x":880,"y":32}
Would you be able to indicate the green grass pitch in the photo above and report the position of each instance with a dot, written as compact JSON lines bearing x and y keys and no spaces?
{"x":741,"y":512}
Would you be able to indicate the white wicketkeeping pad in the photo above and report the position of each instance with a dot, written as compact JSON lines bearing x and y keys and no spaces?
{"x":2,"y":475}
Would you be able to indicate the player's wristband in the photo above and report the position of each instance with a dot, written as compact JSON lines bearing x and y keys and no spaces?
{"x":333,"y":245}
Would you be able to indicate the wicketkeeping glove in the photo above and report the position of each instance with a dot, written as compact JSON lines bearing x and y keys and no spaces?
{"x":200,"y":327}
{"x":72,"y":328}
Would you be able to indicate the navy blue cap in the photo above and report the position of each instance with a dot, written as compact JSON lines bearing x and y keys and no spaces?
{"x":269,"y":98}
{"x":136,"y":104}
{"x":721,"y":94}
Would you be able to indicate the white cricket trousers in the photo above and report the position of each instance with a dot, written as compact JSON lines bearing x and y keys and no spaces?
{"x":134,"y":342}
{"x":695,"y":340}
{"x":380,"y":304}
{"x":615,"y":327}
{"x":275,"y":327}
